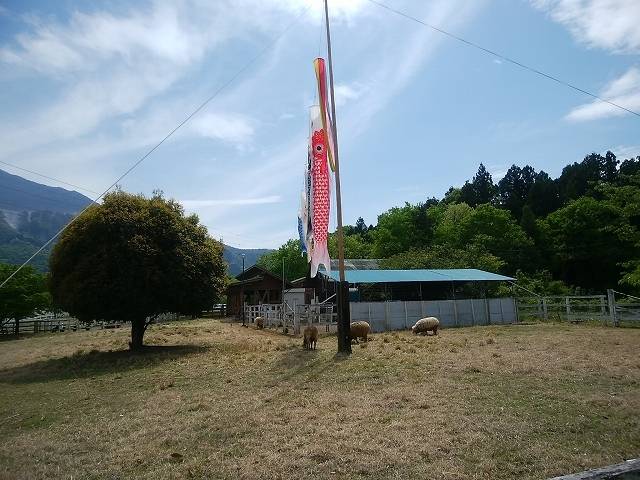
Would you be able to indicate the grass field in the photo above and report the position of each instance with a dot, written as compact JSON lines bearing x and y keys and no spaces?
{"x":214,"y":400}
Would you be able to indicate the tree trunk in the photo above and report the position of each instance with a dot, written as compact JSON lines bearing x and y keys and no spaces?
{"x":17,"y":327}
{"x":137,"y":333}
{"x":344,"y":320}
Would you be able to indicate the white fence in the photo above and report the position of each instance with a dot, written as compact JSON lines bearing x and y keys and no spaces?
{"x":567,"y":308}
{"x":615,"y":308}
{"x":320,"y":314}
{"x":384,"y":316}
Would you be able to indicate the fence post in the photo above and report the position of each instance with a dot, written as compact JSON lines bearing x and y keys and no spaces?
{"x":545,"y":312}
{"x":406,"y":319}
{"x":455,"y":313}
{"x":473,"y":314}
{"x":488,"y":310}
{"x":386,"y":315}
{"x":567,"y":302}
{"x":611,"y":296}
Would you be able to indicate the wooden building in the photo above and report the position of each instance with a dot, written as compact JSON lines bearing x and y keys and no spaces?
{"x":257,"y":286}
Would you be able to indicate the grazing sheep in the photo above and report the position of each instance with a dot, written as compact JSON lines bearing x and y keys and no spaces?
{"x":260,"y":323}
{"x":359,"y":330}
{"x":424,"y":325}
{"x":310,"y":339}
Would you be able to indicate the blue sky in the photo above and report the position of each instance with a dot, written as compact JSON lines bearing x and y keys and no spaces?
{"x":87,"y":87}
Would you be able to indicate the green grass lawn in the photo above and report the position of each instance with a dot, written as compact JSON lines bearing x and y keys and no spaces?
{"x":215,"y":400}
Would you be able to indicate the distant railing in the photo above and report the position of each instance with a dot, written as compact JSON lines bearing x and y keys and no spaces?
{"x":565,"y":308}
{"x":615,"y":308}
{"x":290,"y":318}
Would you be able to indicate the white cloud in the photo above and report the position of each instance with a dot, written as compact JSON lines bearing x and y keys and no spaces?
{"x":346,"y":92}
{"x":127,"y":92}
{"x":231,"y":128}
{"x":339,"y":10}
{"x":286,"y":116}
{"x":497,"y":175}
{"x":607,"y":24}
{"x":195,"y":204}
{"x":623,"y":91}
{"x":88,"y":40}
{"x":624,"y":152}
{"x":395,"y":64}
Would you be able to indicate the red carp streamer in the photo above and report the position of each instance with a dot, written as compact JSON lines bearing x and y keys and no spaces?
{"x":319,"y":251}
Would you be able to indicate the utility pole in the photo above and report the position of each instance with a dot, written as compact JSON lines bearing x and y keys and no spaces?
{"x":242,"y":293}
{"x":344,"y":321}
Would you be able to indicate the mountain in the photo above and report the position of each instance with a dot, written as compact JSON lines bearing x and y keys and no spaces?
{"x":31,"y":213}
{"x":18,"y":194}
{"x":233,"y":256}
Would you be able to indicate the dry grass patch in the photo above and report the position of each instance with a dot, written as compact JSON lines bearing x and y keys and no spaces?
{"x":214,"y":400}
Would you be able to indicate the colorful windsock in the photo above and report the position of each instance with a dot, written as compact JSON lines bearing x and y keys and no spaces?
{"x":327,"y":123}
{"x":320,"y":181}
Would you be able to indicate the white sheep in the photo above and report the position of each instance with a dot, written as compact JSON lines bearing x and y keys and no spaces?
{"x":424,"y":325}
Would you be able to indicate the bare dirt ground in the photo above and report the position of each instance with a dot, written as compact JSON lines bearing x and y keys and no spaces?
{"x":215,"y":400}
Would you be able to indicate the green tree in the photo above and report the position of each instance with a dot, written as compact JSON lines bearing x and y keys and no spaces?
{"x":132,"y":258}
{"x":295,"y":264}
{"x":445,"y":256}
{"x":543,"y":196}
{"x":542,"y":283}
{"x":590,"y":240}
{"x":492,"y":229}
{"x":514,"y":188}
{"x":631,"y":275}
{"x":23,"y":296}
{"x":579,"y":179}
{"x":402,"y":228}
{"x":480,"y":190}
{"x":355,"y":246}
{"x":361,"y":227}
{"x":528,"y":222}
{"x":630,"y":167}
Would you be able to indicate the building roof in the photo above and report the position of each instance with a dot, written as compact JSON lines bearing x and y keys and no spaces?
{"x":395,"y":276}
{"x":356,"y":264}
{"x":255,"y":274}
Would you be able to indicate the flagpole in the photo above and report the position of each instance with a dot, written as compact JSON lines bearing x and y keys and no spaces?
{"x":344,"y":339}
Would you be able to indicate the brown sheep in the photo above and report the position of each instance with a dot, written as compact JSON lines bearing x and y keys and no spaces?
{"x":259,"y":323}
{"x":310,"y":337}
{"x":359,"y":330}
{"x":424,"y":325}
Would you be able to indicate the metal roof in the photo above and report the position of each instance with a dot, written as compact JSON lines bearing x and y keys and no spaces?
{"x":394,"y":276}
{"x":356,"y":264}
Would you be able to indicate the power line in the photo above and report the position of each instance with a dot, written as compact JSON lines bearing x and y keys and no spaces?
{"x":503,"y":57}
{"x":169,"y":135}
{"x":48,"y":177}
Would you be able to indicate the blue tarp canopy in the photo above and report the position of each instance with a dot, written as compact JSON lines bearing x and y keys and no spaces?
{"x":396,"y":276}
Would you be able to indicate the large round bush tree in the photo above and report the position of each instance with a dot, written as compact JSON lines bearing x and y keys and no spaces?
{"x":132,"y":258}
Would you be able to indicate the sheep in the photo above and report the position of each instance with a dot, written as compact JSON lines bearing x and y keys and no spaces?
{"x":310,"y":339}
{"x":424,"y":325}
{"x":359,"y":330}
{"x":259,"y":322}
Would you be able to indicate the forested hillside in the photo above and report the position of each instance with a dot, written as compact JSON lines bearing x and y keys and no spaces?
{"x":581,"y":229}
{"x":31,"y":213}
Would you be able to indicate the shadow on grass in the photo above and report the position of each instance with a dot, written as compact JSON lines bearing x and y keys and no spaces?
{"x":94,"y":363}
{"x":297,"y":364}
